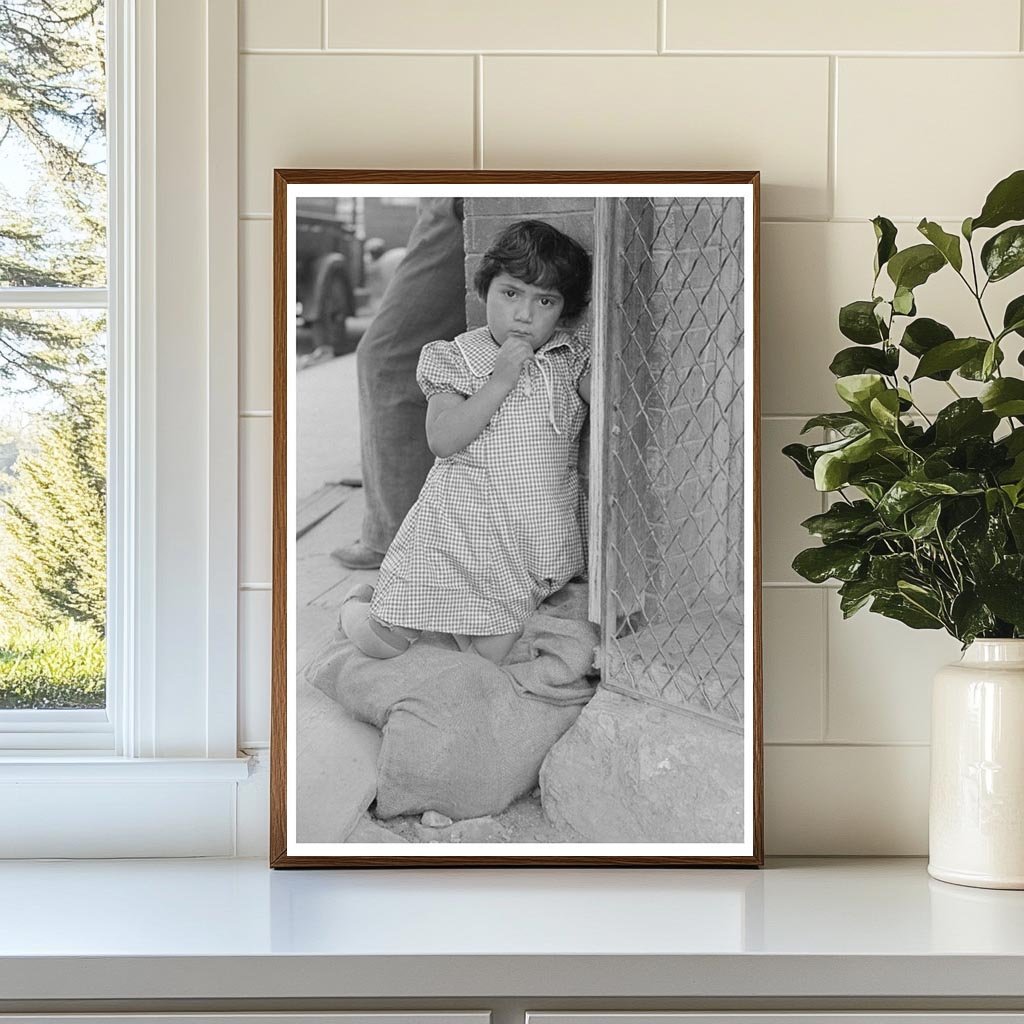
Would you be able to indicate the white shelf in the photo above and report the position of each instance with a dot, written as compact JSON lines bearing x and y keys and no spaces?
{"x":232,"y":929}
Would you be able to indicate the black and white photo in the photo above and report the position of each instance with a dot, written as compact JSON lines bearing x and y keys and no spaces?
{"x":516,"y":567}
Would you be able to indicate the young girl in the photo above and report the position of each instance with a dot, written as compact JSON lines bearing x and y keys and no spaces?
{"x":496,"y":528}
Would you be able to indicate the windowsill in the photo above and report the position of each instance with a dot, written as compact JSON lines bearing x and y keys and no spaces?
{"x":80,"y":766}
{"x":819,"y":929}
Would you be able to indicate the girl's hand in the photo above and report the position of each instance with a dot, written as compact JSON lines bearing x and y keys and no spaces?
{"x":513,"y":353}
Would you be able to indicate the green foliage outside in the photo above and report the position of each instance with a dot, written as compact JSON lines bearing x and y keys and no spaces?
{"x":60,"y":667}
{"x":52,"y":366}
{"x":927,"y":526}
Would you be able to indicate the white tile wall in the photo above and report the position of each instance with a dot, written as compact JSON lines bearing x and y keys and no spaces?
{"x":254,"y":611}
{"x":838,"y":138}
{"x":874,"y":25}
{"x":255,"y":322}
{"x":471,"y":25}
{"x":692,"y":113}
{"x":332,"y":110}
{"x":256,"y":443}
{"x":795,"y":639}
{"x":261,"y":25}
{"x":944,"y":105}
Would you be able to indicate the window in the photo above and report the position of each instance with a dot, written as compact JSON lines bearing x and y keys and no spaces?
{"x":155,"y":772}
{"x":53,"y":370}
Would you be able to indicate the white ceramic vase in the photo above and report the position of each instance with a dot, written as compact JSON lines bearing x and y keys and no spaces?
{"x":976,"y":811}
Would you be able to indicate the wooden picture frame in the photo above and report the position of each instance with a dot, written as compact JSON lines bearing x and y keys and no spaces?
{"x":674,"y":566}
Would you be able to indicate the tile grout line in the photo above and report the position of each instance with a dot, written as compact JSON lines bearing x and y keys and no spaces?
{"x":323,"y":24}
{"x":851,"y":744}
{"x":831,"y":171}
{"x":663,"y":27}
{"x":1020,"y":25}
{"x":336,"y":51}
{"x":825,"y":723}
{"x":478,"y":111}
{"x":826,"y":651}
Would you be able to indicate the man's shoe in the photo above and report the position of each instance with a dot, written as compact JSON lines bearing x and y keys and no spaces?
{"x":357,"y":556}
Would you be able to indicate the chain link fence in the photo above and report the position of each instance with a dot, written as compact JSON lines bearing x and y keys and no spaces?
{"x":669,"y":301}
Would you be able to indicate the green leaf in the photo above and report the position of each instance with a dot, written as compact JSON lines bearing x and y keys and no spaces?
{"x":1015,"y":492}
{"x":923,"y":335}
{"x":831,"y":471}
{"x":912,"y":267}
{"x":906,"y":494}
{"x":965,"y":229}
{"x":964,"y":482}
{"x":854,"y":594}
{"x":925,"y":518}
{"x":1013,"y":318}
{"x":1003,"y":254}
{"x":950,"y":355}
{"x":850,"y":361}
{"x":991,"y":360}
{"x":974,"y":368}
{"x":966,"y":417}
{"x":897,"y":607}
{"x":947,"y":244}
{"x":1004,"y":397}
{"x":865,"y":446}
{"x":885,"y":409}
{"x":996,"y":500}
{"x":840,"y":561}
{"x":799,"y":455}
{"x":843,"y":521}
{"x":903,"y":302}
{"x":1005,"y":202}
{"x":858,"y":389}
{"x":885,"y":236}
{"x":857,"y":321}
{"x":887,"y":570}
{"x":971,"y":617}
{"x":1005,"y":597}
{"x":841,"y":421}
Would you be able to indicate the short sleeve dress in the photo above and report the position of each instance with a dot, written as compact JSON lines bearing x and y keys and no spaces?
{"x":497,"y":526}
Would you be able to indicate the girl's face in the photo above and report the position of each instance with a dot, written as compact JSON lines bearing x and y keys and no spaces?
{"x":518,"y":309}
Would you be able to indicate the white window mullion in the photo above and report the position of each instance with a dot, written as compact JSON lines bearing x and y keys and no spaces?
{"x":125,"y":671}
{"x":53,"y":298}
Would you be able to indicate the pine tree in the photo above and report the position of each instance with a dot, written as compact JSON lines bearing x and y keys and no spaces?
{"x":52,"y":117}
{"x":53,"y":123}
{"x":53,"y":519}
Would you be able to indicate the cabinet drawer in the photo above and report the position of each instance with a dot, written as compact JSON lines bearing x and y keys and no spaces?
{"x":853,"y":1017}
{"x":360,"y":1017}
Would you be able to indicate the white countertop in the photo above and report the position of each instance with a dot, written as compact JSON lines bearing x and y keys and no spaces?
{"x":234,"y":929}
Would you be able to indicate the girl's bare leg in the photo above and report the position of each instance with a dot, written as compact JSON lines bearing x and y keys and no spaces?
{"x":494,"y":648}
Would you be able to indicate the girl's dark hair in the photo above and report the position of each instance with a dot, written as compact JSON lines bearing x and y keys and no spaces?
{"x":541,"y":255}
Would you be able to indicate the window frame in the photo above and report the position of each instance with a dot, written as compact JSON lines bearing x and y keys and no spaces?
{"x":80,"y":729}
{"x":173,"y":466}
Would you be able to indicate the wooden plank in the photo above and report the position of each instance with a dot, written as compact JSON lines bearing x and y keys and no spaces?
{"x":319,"y":505}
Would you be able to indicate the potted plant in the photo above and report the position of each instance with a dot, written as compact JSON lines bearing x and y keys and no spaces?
{"x":927,"y":521}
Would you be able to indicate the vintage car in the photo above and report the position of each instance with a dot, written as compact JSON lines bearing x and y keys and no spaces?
{"x":328,"y":282}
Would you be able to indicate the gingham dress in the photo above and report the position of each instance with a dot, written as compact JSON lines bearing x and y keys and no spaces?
{"x":497,"y":526}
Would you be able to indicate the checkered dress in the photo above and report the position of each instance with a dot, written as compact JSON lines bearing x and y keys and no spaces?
{"x":497,"y":526}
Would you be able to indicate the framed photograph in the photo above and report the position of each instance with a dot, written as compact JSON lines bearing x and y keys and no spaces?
{"x":516,"y":551}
